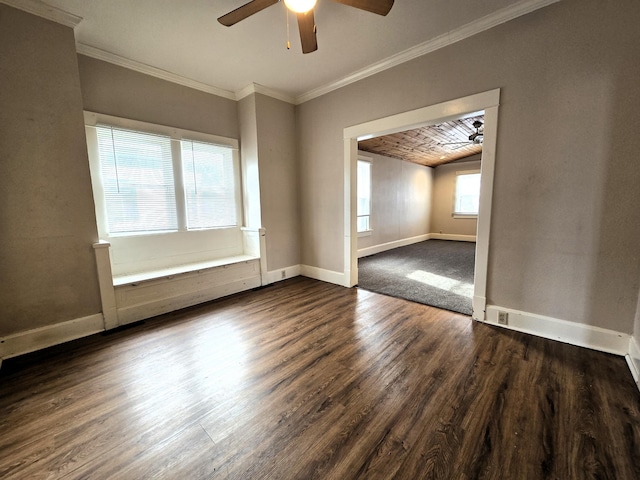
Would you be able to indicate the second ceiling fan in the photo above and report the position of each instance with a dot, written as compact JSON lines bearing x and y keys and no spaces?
{"x":304,"y":12}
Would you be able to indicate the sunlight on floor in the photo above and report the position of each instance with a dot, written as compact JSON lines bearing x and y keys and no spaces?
{"x":443,"y":283}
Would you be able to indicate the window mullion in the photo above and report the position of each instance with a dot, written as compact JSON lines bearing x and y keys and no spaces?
{"x":181,"y":209}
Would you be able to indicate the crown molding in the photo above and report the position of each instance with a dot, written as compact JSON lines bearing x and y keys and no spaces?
{"x":175,"y":78}
{"x":269,"y":92}
{"x":41,"y":9}
{"x":103,"y":55}
{"x":473,"y":28}
{"x":487,"y":22}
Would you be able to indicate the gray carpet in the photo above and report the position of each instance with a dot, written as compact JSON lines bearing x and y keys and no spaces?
{"x":434,"y":272}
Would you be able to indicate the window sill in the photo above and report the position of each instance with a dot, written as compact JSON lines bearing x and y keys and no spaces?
{"x":120,"y":280}
{"x":366,"y":233}
{"x":462,"y":215}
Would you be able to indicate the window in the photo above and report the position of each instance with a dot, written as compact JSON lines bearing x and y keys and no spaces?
{"x":148,"y":186}
{"x":137,"y":180}
{"x":209,"y":187}
{"x":364,"y":196}
{"x":467,"y":194}
{"x":164,"y":197}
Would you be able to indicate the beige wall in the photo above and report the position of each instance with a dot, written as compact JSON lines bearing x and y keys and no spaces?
{"x":444,"y":187}
{"x":279,"y":179}
{"x":400,"y":200}
{"x":634,"y":343}
{"x":564,"y":220}
{"x":636,"y":325}
{"x":265,"y":126}
{"x":565,"y":229}
{"x":249,"y":157}
{"x":114,"y":90}
{"x":47,"y":267}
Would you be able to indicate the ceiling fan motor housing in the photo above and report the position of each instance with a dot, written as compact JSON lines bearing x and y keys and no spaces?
{"x":304,"y":11}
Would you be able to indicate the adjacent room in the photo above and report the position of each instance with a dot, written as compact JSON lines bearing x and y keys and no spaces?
{"x":421,"y":190}
{"x":319,"y":239}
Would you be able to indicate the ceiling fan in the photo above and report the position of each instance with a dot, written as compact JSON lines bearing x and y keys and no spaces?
{"x":474,"y":139}
{"x":304,"y":11}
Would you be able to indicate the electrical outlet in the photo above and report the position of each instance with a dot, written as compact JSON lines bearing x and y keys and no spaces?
{"x":503,"y":318}
{"x":284,"y":275}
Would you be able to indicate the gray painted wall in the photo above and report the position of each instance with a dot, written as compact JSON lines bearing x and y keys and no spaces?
{"x":636,"y":325}
{"x":400,"y":200}
{"x":265,"y":126}
{"x":564,"y":225}
{"x":118,"y":91}
{"x":249,"y":157}
{"x":444,"y":187}
{"x":279,"y":179}
{"x":47,"y":265}
{"x":564,"y":221}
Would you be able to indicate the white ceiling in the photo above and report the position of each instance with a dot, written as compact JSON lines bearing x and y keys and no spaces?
{"x":183,"y":37}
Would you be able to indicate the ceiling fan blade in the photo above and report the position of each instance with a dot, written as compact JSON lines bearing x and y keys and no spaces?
{"x":381,"y":7}
{"x":455,"y":143}
{"x":307,"y":27}
{"x":245,"y":11}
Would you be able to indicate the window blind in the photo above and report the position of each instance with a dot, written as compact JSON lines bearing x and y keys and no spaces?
{"x":364,"y":196}
{"x":209,"y":185}
{"x":138,"y":182}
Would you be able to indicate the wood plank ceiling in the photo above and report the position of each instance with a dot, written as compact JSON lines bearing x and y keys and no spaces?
{"x":430,"y":146}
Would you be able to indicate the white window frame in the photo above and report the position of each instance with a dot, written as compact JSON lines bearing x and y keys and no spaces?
{"x":368,"y":232}
{"x":157,"y":250}
{"x":455,"y":214}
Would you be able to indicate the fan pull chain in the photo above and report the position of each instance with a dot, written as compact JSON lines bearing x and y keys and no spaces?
{"x":286,"y":12}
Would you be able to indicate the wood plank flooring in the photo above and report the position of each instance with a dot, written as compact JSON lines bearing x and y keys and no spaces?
{"x":307,"y":380}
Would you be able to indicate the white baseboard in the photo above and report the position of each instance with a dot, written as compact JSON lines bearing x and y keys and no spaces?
{"x":383,"y":247}
{"x":323,"y":275}
{"x":274,"y":276}
{"x":43,"y":337}
{"x":365,"y":252}
{"x":479,"y":308}
{"x":452,"y":236}
{"x":633,"y":360}
{"x":564,"y":331}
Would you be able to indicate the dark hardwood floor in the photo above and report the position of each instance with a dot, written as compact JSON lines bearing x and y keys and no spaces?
{"x":306,"y":380}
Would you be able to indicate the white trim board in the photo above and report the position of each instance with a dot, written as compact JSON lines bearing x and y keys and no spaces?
{"x":323,"y":275}
{"x":383,"y":247}
{"x":49,"y":335}
{"x":459,"y":108}
{"x":133,"y":311}
{"x":139,"y":67}
{"x":269,"y":92}
{"x":480,"y":25}
{"x":280,"y":274}
{"x":41,"y":9}
{"x":170,"y":272}
{"x":478,"y":305}
{"x":633,"y":360}
{"x":452,"y":236}
{"x":573,"y":333}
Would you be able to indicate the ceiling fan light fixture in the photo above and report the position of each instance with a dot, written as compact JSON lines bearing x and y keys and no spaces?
{"x":300,"y":6}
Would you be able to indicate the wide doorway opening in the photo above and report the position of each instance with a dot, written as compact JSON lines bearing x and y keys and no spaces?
{"x":417,"y":208}
{"x":485,"y":104}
